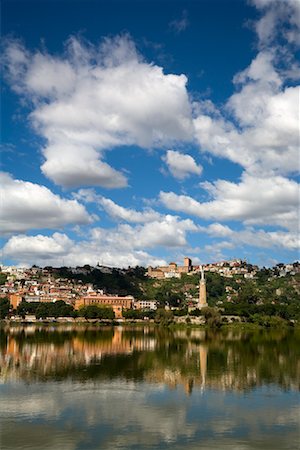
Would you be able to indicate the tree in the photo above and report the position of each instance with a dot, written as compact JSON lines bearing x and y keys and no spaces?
{"x":4,"y":307}
{"x":215,"y":286}
{"x":212,"y":317}
{"x":248,"y":294}
{"x":59,"y":309}
{"x":163,"y":317}
{"x":42,"y":311}
{"x":27,"y":308}
{"x":133,"y":314}
{"x":263,"y":275}
{"x":3,"y":278}
{"x":97,"y":312}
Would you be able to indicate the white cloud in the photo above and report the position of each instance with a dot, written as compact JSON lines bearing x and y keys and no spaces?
{"x":26,"y":205}
{"x":37,"y":248}
{"x":258,"y":127}
{"x":76,"y":165}
{"x":215,"y":251}
{"x":279,"y":18}
{"x":168,"y":231}
{"x":116,"y":211}
{"x":273,"y":201}
{"x":180,"y":165}
{"x":251,"y":237}
{"x":119,"y":247}
{"x":93,"y":99}
{"x":267,"y":138}
{"x":127,"y":214}
{"x":58,"y":250}
{"x":86,"y":196}
{"x":217,"y":229}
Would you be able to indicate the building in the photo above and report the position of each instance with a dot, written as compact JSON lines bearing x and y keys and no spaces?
{"x":114,"y":301}
{"x":15,"y":300}
{"x":146,"y":304}
{"x":170,"y":271}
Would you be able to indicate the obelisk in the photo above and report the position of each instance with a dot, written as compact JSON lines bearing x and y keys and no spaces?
{"x":202,"y":290}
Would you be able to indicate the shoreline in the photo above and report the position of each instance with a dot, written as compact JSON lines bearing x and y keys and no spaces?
{"x":140,"y":324}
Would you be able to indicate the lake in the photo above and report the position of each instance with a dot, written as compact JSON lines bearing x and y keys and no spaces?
{"x":88,"y":388}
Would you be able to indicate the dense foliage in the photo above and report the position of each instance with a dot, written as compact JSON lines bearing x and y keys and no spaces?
{"x":4,"y":307}
{"x":43,"y":310}
{"x":96,"y":312}
{"x":3,"y":278}
{"x":115,"y":282}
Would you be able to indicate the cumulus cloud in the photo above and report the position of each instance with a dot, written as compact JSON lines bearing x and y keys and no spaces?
{"x":26,"y":205}
{"x":119,"y":247}
{"x":127,"y":214}
{"x":116,"y":211}
{"x":251,"y":237}
{"x":58,"y":250}
{"x":168,"y":231}
{"x":279,"y":17}
{"x":95,"y":98}
{"x":266,"y":139}
{"x":180,"y":165}
{"x":273,"y":201}
{"x":39,"y":247}
{"x":74,"y":165}
{"x":258,"y":127}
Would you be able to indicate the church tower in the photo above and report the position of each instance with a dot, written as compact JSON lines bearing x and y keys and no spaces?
{"x":202,"y":291}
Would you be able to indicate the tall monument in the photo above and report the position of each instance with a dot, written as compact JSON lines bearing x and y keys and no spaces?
{"x":202,"y":303}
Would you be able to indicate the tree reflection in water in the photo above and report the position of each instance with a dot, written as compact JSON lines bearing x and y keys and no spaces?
{"x":192,"y":358}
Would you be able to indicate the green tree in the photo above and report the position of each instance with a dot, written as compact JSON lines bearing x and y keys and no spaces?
{"x":248,"y":294}
{"x":42,"y":311}
{"x":163,"y":317}
{"x":59,"y":309}
{"x":3,"y":278}
{"x":97,"y":312}
{"x":215,"y":286}
{"x":133,"y":314}
{"x":212,"y":316}
{"x":27,"y":308}
{"x":4,"y":307}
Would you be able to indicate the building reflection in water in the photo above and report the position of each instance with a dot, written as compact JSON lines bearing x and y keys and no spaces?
{"x":194,"y":359}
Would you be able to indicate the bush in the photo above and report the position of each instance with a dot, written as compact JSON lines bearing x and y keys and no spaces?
{"x":180,"y":312}
{"x":133,"y":314}
{"x":4,"y":307}
{"x":96,"y":312}
{"x":212,"y":316}
{"x":268,"y":321}
{"x":163,"y":317}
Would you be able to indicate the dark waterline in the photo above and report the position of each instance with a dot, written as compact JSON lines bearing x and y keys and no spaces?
{"x":148,"y":388}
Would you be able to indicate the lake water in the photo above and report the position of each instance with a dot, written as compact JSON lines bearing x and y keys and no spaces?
{"x":148,"y":388}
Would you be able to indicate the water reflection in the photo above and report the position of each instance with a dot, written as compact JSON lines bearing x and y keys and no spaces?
{"x":190,"y":358}
{"x":147,"y":388}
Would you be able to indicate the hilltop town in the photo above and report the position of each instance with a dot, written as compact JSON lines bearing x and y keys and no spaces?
{"x":134,"y":292}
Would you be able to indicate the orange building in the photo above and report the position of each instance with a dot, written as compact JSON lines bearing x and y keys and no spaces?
{"x":15,"y":300}
{"x":114,"y":301}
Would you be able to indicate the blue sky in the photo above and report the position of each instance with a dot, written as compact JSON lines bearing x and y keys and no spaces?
{"x":140,"y":132}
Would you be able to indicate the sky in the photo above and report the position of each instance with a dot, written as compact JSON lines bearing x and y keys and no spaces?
{"x":140,"y":132}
